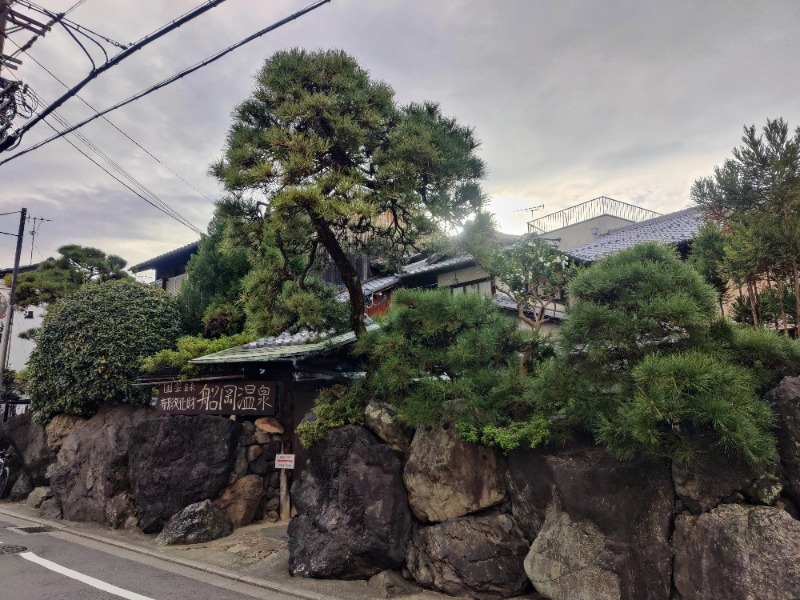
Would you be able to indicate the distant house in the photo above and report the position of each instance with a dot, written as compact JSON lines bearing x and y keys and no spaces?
{"x":170,"y":267}
{"x":675,"y":229}
{"x":585,"y":222}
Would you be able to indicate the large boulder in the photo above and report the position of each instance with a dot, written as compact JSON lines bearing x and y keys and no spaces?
{"x":570,"y":559}
{"x":177,"y":461}
{"x":381,"y":419}
{"x":785,"y":400}
{"x":737,"y":552}
{"x":30,"y":443}
{"x":59,"y":428}
{"x":447,"y":477}
{"x":480,"y":557}
{"x":90,"y":480}
{"x":718,"y":478}
{"x":619,"y":512}
{"x":198,"y":522}
{"x":241,"y":499}
{"x":352,"y":517}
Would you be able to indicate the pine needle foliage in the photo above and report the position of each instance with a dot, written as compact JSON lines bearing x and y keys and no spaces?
{"x":646,"y":366}
{"x":442,"y":358}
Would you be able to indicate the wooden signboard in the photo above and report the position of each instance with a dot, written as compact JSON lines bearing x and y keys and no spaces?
{"x":235,"y":397}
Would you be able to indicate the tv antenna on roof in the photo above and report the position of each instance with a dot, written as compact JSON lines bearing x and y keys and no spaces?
{"x":532,"y":209}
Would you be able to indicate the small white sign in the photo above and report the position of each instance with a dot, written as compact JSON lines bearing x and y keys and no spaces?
{"x":284,"y":461}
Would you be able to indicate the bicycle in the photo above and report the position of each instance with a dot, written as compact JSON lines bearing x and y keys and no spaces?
{"x":5,"y":472}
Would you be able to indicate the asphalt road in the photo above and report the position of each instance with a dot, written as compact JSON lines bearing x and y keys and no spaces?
{"x":59,"y":566}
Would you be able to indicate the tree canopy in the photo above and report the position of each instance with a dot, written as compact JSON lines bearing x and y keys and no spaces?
{"x":90,"y":344}
{"x":440,"y":358}
{"x":647,"y":367}
{"x":755,"y":198}
{"x":57,"y":278}
{"x":210,"y":299}
{"x":341,"y":169}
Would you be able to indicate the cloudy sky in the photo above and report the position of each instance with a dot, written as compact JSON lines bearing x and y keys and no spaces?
{"x":571,"y":100}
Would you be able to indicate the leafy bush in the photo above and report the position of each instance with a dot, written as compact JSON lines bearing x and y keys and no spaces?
{"x":90,"y":344}
{"x":442,"y":358}
{"x":769,"y":356}
{"x":334,"y":407}
{"x":187,"y":348}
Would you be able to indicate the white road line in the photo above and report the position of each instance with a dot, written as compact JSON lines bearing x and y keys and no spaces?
{"x":96,"y":583}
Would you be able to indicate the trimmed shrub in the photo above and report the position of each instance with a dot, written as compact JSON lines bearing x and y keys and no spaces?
{"x":90,"y":345}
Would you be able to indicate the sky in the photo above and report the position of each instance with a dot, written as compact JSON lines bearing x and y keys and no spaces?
{"x":571,"y":99}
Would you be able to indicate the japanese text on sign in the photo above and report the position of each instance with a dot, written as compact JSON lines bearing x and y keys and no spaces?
{"x":217,"y":398}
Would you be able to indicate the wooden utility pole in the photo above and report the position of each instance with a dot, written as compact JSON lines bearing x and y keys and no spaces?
{"x":3,"y":20}
{"x":7,"y":334}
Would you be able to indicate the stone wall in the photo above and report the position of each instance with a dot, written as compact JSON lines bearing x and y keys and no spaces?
{"x":130,"y":466}
{"x":565,"y":523}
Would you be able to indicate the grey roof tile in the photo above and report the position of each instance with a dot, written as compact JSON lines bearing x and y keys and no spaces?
{"x":674,"y":228}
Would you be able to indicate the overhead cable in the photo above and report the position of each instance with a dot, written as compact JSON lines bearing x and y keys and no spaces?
{"x":118,"y":59}
{"x":137,"y":144}
{"x":171,"y":79}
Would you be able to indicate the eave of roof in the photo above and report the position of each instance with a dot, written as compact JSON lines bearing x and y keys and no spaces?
{"x":166,"y":258}
{"x":674,"y":228}
{"x":248,"y":353}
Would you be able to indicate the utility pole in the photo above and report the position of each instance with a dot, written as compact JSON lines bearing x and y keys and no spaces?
{"x":7,"y":334}
{"x":3,"y":21}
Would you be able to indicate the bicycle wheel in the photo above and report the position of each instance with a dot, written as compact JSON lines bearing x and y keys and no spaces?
{"x":4,"y":474}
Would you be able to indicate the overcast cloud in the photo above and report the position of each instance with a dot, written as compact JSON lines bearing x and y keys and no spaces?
{"x":571,"y":99}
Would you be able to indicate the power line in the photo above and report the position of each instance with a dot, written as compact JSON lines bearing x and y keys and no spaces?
{"x":150,"y":154}
{"x":111,"y":63}
{"x":192,"y":227}
{"x":167,"y":81}
{"x":144,"y":193}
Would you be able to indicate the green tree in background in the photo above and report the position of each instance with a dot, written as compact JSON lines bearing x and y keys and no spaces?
{"x":210,"y":297}
{"x":755,"y":198}
{"x":90,"y":345}
{"x":342,"y":170}
{"x":57,"y":278}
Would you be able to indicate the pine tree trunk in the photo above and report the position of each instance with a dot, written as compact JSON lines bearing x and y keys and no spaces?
{"x":349,"y":275}
{"x":796,"y":285}
{"x":751,"y":289}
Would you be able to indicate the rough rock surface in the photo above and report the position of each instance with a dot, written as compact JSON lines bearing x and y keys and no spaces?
{"x":390,"y":584}
{"x":380,"y":419}
{"x":569,"y":560}
{"x":447,"y":477}
{"x":28,"y":439}
{"x":737,"y":552}
{"x":21,"y":488}
{"x":90,"y":480}
{"x":722,"y":479}
{"x":268,"y":425}
{"x":480,"y":557}
{"x":57,"y":430}
{"x":586,"y":496}
{"x":37,"y":496}
{"x":353,"y":519}
{"x":785,"y":400}
{"x":198,"y":522}
{"x":240,"y":500}
{"x":50,"y":509}
{"x":177,"y":461}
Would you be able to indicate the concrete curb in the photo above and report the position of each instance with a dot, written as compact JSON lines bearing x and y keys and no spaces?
{"x":254,"y":581}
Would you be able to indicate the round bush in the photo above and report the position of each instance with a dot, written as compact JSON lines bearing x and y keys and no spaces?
{"x":91,"y":343}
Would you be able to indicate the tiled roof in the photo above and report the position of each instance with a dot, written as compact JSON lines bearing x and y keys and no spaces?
{"x":182,"y":253}
{"x":674,"y":228}
{"x":283,"y":347}
{"x":424,"y":266}
{"x":503,"y":301}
